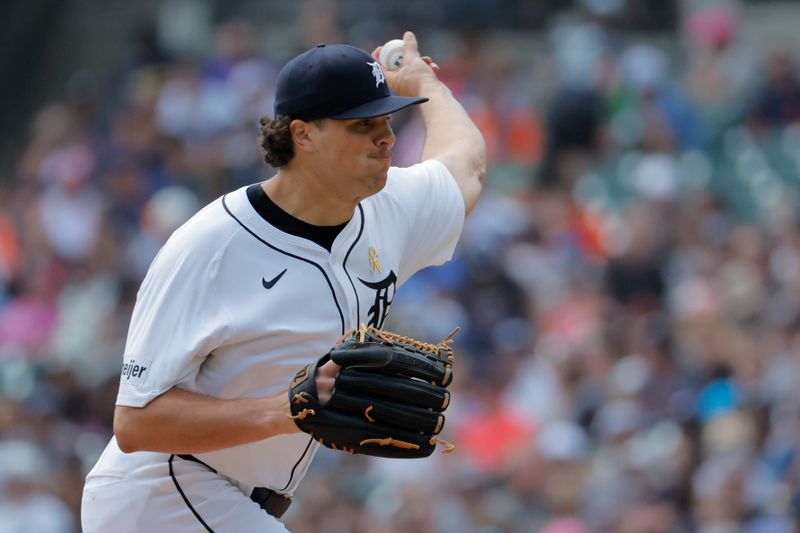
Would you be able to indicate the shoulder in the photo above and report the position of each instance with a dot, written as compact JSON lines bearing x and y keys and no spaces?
{"x":212,"y":221}
{"x":199,"y":241}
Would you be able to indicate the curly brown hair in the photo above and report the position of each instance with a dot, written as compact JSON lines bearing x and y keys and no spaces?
{"x":276,"y":140}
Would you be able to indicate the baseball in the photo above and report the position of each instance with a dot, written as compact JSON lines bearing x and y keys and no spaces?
{"x":392,"y":54}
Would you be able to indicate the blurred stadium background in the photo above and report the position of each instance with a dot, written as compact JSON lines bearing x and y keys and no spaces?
{"x":629,"y":286}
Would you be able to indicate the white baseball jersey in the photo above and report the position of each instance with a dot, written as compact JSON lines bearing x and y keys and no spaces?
{"x":233,"y":307}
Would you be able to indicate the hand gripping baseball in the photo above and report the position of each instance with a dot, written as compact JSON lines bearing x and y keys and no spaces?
{"x":388,"y":398}
{"x":414,"y":71}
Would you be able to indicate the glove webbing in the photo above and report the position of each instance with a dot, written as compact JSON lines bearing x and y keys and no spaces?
{"x":396,"y":338}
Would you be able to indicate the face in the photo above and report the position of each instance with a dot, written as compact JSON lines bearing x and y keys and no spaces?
{"x":354,"y":155}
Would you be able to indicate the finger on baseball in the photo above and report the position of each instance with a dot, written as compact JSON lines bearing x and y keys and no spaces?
{"x":434,"y":66}
{"x":410,"y":44}
{"x":376,"y":54}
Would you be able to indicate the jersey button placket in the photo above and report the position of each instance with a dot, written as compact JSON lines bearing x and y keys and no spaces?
{"x":346,"y":286}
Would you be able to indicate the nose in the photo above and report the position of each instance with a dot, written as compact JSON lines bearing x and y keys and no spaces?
{"x":386,"y":136}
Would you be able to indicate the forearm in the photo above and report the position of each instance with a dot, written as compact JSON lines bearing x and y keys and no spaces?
{"x":180,"y":421}
{"x":452,"y":138}
{"x":447,"y":126}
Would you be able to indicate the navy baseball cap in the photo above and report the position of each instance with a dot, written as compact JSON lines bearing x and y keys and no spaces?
{"x":335,"y":81}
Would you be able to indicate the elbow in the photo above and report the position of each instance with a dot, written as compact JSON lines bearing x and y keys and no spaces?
{"x":479,"y":175}
{"x":125,"y":445}
{"x":480,"y":171}
{"x":480,"y":161}
{"x":124,"y":430}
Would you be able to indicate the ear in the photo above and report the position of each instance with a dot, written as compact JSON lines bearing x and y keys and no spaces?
{"x":302,"y":134}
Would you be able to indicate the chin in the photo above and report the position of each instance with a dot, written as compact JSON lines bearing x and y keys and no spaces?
{"x":375,"y":184}
{"x":381,"y":179}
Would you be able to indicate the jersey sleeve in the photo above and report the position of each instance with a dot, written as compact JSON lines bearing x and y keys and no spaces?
{"x":177,"y":322}
{"x":435,"y":211}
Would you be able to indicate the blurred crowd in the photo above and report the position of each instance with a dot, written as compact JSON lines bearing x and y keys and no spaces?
{"x":628,"y":287}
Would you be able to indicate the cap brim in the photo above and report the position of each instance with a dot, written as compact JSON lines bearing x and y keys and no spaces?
{"x":381,"y":106}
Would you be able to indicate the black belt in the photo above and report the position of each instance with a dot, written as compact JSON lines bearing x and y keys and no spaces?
{"x":273,"y":503}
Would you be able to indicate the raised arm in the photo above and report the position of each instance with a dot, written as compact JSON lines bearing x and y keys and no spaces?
{"x":450,"y":135}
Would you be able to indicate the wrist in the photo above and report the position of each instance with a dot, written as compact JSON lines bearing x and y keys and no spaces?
{"x":276,"y":416}
{"x":283,"y":424}
{"x":432,"y":87}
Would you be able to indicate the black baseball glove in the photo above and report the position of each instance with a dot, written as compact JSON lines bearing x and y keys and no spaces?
{"x":388,"y":397}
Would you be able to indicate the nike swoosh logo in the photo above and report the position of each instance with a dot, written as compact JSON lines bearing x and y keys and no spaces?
{"x":273,"y":281}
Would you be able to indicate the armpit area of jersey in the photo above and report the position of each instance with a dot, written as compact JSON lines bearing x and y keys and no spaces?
{"x":269,"y":211}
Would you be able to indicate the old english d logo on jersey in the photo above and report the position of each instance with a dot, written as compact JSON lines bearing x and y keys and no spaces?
{"x":384,"y":293}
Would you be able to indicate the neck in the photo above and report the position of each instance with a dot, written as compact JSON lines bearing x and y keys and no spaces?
{"x":303,"y":196}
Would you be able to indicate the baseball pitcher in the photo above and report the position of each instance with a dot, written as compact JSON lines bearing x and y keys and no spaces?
{"x":257,"y":331}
